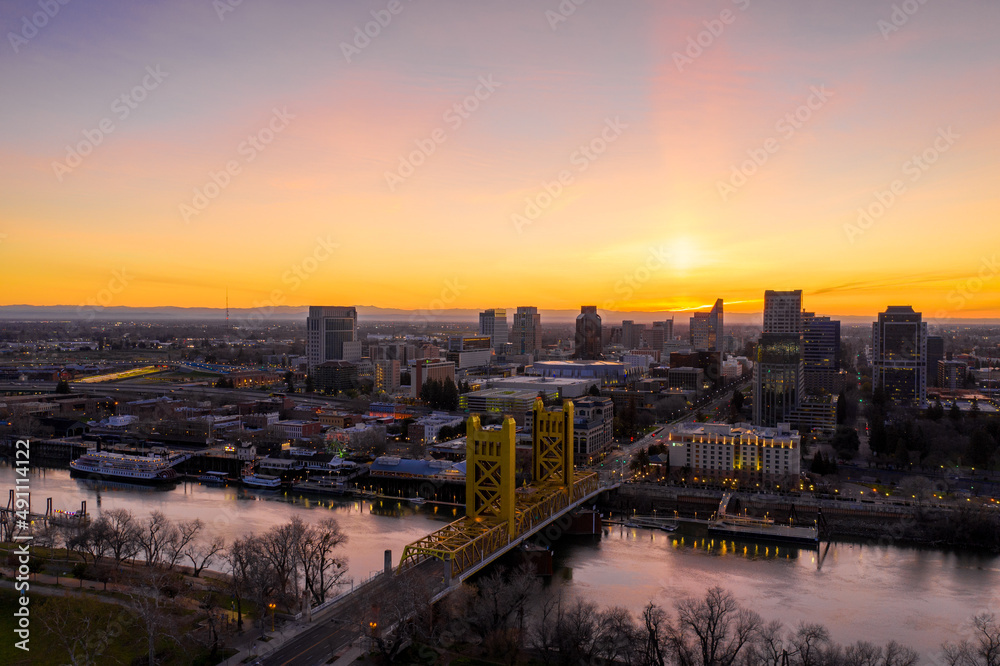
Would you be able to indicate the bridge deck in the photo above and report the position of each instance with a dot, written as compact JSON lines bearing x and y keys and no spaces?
{"x":468,"y":544}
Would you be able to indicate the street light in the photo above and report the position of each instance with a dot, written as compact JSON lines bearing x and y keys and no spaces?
{"x":271,"y":606}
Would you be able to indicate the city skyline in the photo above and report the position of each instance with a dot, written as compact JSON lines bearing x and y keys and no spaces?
{"x":603,"y":154}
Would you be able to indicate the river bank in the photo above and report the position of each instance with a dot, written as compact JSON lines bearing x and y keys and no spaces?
{"x":957,"y":526}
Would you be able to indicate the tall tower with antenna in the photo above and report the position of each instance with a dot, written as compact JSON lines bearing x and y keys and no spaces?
{"x":227,"y":312}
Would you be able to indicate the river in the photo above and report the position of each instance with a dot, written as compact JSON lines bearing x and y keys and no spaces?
{"x":919,"y":597}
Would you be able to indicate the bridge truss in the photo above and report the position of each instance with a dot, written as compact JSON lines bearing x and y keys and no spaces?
{"x":497,"y":515}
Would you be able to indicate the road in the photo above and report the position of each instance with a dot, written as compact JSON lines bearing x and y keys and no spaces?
{"x":331,"y":635}
{"x":315,"y":645}
{"x":616,"y":465}
{"x":114,"y":388}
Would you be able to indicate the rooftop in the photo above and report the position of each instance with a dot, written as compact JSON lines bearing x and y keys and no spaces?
{"x":396,"y":465}
{"x":732,"y":430}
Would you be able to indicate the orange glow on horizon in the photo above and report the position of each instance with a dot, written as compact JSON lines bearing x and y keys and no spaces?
{"x":584,"y":170}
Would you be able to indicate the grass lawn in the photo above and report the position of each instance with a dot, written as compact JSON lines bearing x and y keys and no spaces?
{"x":108,"y":633}
{"x":8,"y":653}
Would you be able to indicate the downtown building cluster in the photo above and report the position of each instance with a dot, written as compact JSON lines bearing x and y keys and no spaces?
{"x":646,"y":369}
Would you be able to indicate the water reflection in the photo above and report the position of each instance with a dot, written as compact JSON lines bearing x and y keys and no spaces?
{"x":863,"y":590}
{"x":867,"y":591}
{"x":713,"y":545}
{"x":103,"y":485}
{"x":231,"y":511}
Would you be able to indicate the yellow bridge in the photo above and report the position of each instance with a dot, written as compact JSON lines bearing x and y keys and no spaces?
{"x":498,"y":515}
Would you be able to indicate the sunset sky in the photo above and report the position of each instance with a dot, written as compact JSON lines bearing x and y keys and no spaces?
{"x":655,"y":215}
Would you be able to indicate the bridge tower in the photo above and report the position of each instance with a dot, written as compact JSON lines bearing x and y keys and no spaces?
{"x":552,"y":445}
{"x":489,"y":473}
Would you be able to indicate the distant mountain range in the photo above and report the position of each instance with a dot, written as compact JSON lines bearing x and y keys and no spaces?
{"x":366,"y":313}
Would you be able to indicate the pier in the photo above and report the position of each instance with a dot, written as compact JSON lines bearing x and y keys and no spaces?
{"x":9,"y":516}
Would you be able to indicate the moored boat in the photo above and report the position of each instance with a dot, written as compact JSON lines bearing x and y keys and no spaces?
{"x":157,"y":467}
{"x":320,"y":486}
{"x":261,"y":481}
{"x":214,"y":477}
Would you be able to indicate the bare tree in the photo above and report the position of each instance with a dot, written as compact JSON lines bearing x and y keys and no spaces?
{"x":321,"y":569}
{"x":500,"y":603}
{"x":46,"y":535}
{"x":93,"y":540}
{"x":809,"y":643}
{"x":279,"y":546}
{"x":712,"y":631}
{"x":253,"y":579}
{"x":390,"y":613}
{"x":82,"y":628}
{"x":617,"y":638}
{"x":177,"y":545}
{"x":863,"y":653}
{"x":210,"y":604}
{"x":122,"y":534}
{"x":895,"y":654}
{"x":918,"y":488}
{"x":239,"y":557}
{"x":541,"y":635}
{"x":576,"y":628}
{"x":203,"y":554}
{"x":154,"y":535}
{"x":149,"y":606}
{"x":982,"y":650}
{"x":654,"y":648}
{"x":769,"y":647}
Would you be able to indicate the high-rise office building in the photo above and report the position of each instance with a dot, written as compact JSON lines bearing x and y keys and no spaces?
{"x":588,"y":334}
{"x":469,"y":351}
{"x":935,"y":354}
{"x":950,"y":374}
{"x":783,"y":311}
{"x":469,"y":342}
{"x":526,"y":331}
{"x":493,"y":322}
{"x":633,"y":334}
{"x":778,"y":373}
{"x":386,"y":375}
{"x":778,"y":378}
{"x":820,"y":354}
{"x":899,"y":354}
{"x":706,"y":329}
{"x":423,"y":370}
{"x":658,"y":333}
{"x":329,"y":329}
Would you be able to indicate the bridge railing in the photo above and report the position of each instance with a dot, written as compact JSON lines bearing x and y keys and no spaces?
{"x":467,"y":542}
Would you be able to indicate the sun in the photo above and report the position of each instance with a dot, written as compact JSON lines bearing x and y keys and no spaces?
{"x":684,"y":254}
